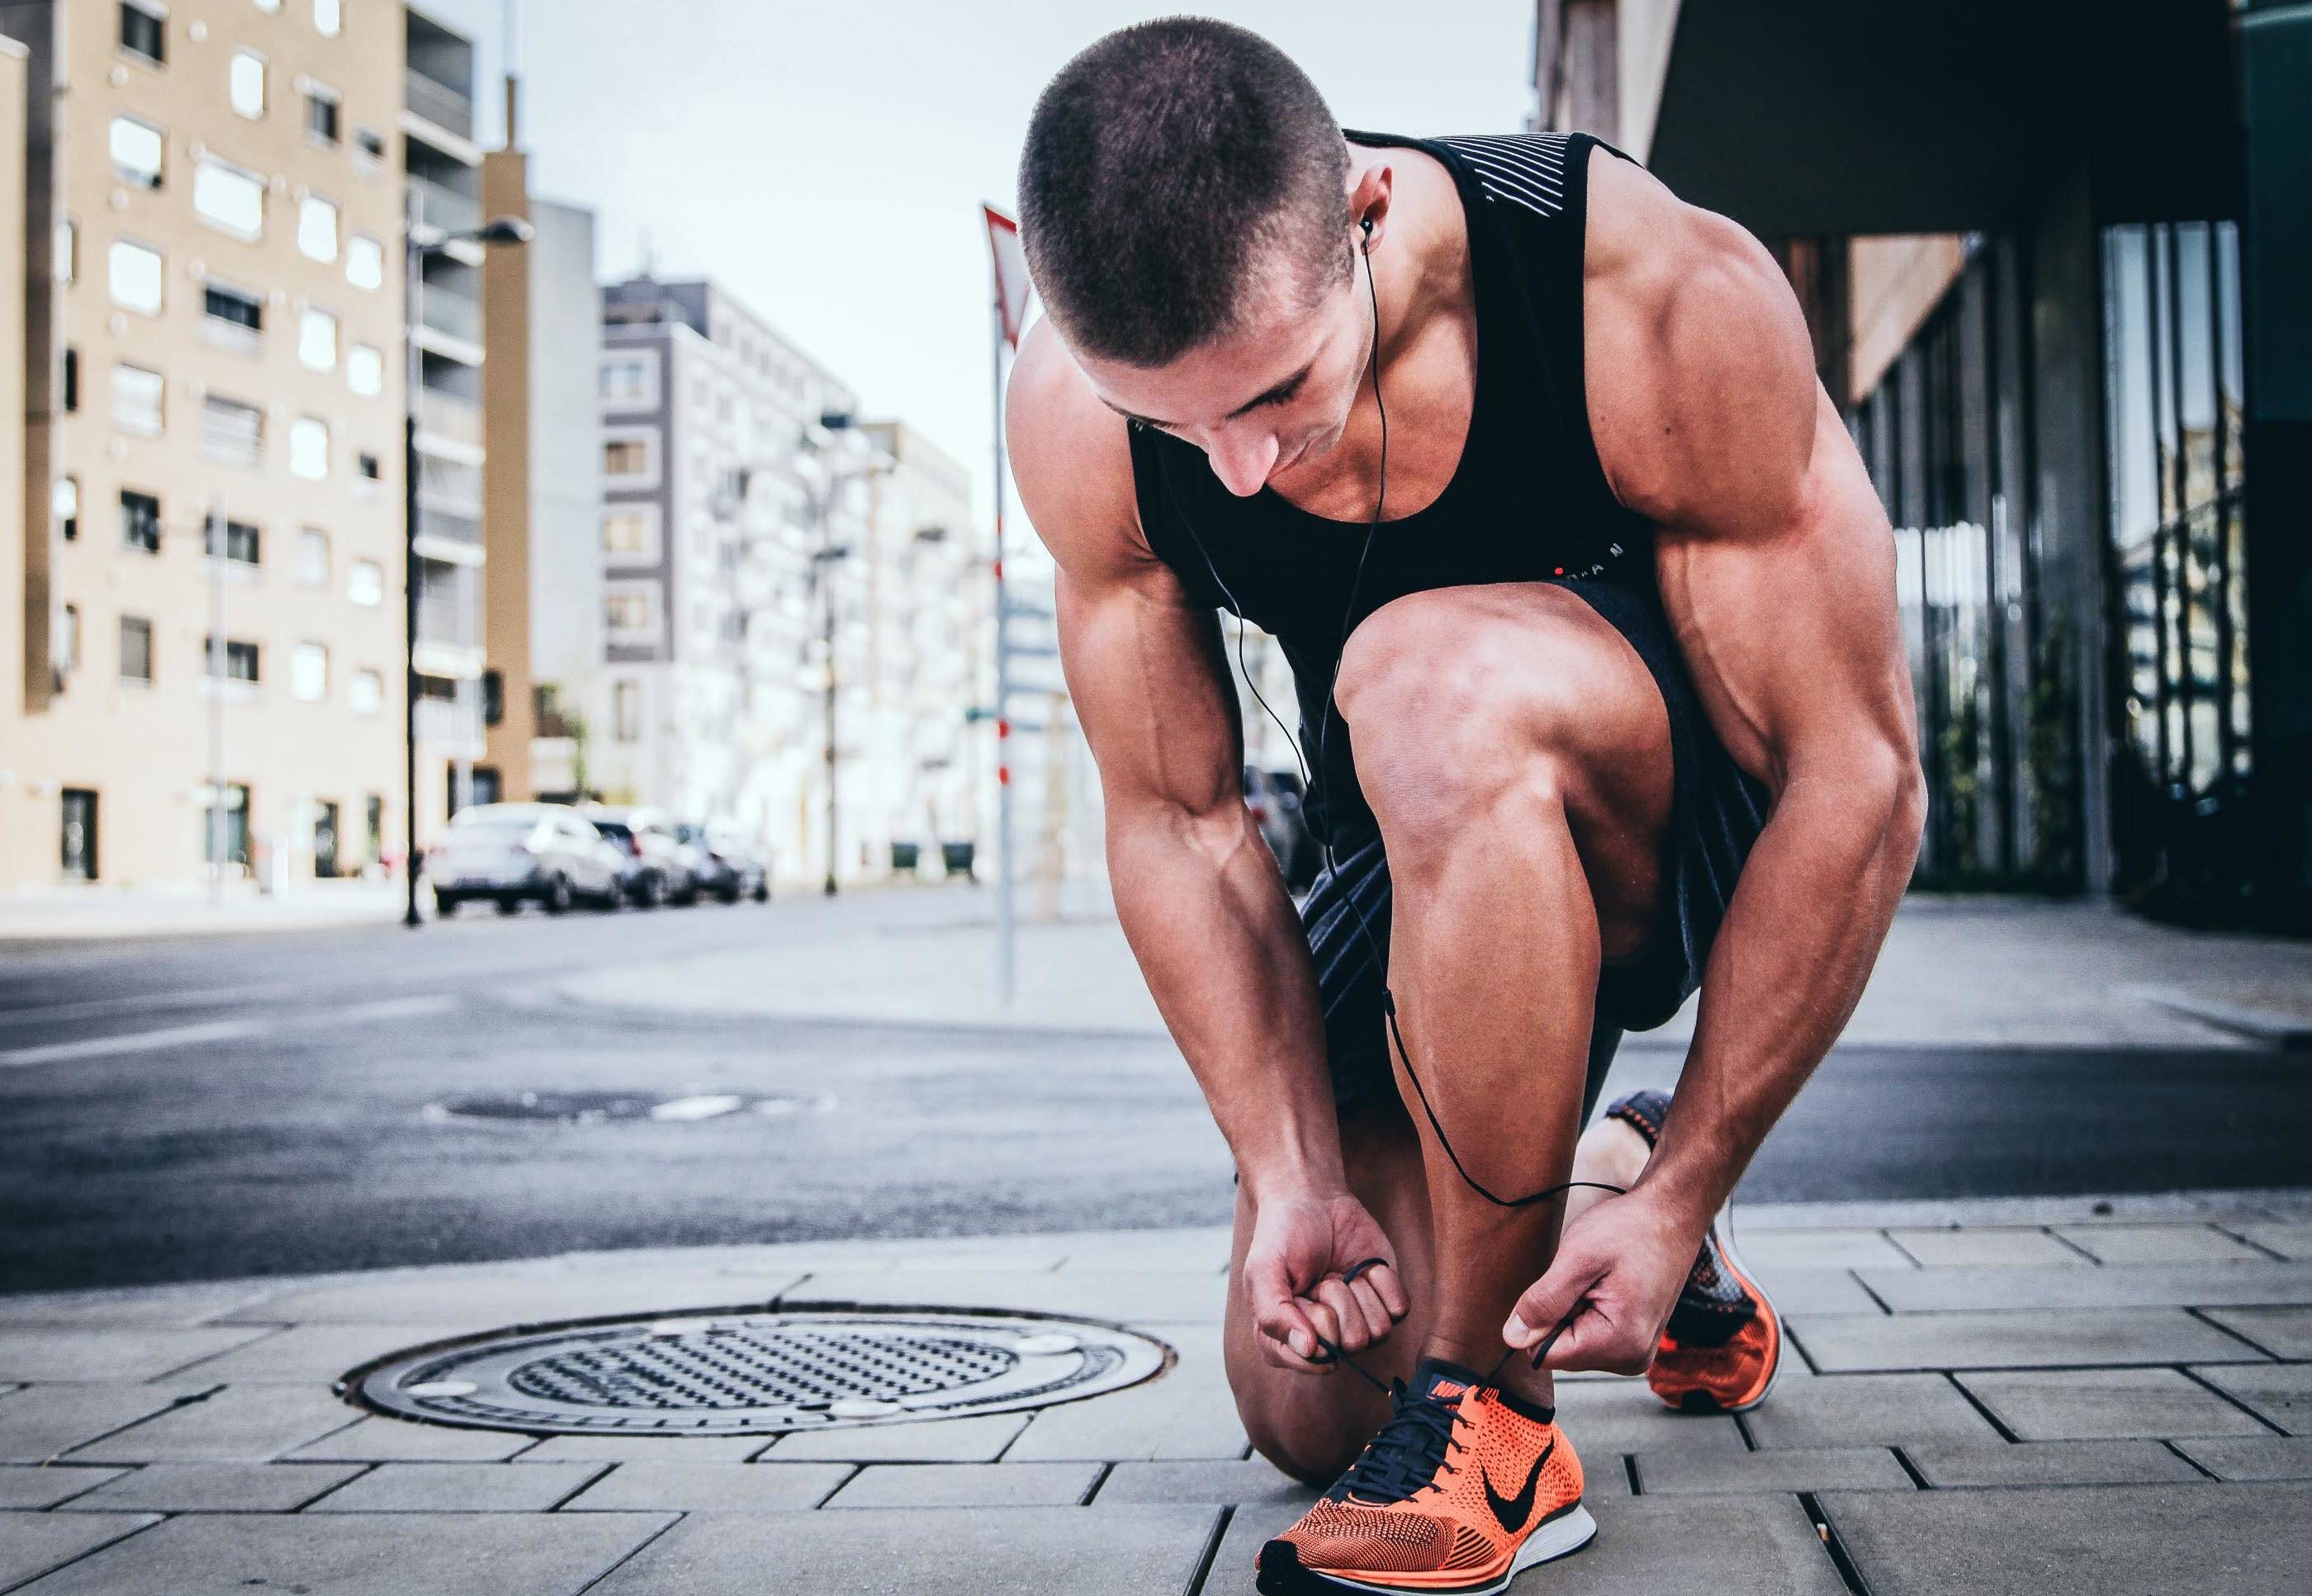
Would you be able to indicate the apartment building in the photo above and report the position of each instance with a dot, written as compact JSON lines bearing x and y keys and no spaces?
{"x":2055,"y":266}
{"x":542,"y":489}
{"x":203,"y":588}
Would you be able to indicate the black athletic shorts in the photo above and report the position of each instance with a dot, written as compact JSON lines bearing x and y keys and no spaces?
{"x":1716,"y":811}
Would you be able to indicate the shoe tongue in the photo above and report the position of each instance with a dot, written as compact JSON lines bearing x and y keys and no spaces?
{"x":1436,"y":1378}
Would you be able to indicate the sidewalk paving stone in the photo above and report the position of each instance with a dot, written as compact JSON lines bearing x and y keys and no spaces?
{"x":1104,"y":1294}
{"x":1253,"y":1481}
{"x":1710,"y":1474}
{"x":2079,"y":1540}
{"x":2289,"y":1238}
{"x":442,"y":1554}
{"x":43,"y":1421}
{"x":1989,"y":1247}
{"x":2283,"y":1332}
{"x":307,"y":1354}
{"x":710,"y":1487}
{"x":1126,"y":1551}
{"x":2158,"y":1244}
{"x":398,"y":1440}
{"x":1622,"y":1416}
{"x":26,"y":1487}
{"x":244,"y":1424}
{"x":643,"y":1449}
{"x":2281,"y":1393}
{"x":967,"y":1484}
{"x":85,"y":1352}
{"x":472,"y":1304}
{"x":2113,"y":1286}
{"x":2050,"y":1463}
{"x":979,"y":1439}
{"x":2107,"y":1404}
{"x":218,"y":1487}
{"x":460,"y":1487}
{"x":1768,"y":1251}
{"x":32,"y":1543}
{"x":156,"y":1306}
{"x":1838,"y":1410}
{"x":1815,"y":1291}
{"x":2254,"y":1457}
{"x":2027,"y":1338}
{"x":1187,"y":1412}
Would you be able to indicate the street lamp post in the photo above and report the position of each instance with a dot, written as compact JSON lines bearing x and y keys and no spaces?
{"x":822,"y":561}
{"x":418,"y":243}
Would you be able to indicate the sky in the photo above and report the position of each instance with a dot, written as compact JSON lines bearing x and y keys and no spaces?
{"x":826,"y":162}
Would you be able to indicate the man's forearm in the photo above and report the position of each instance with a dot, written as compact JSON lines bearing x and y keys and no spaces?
{"x":1208,"y":917}
{"x":1801,"y":933}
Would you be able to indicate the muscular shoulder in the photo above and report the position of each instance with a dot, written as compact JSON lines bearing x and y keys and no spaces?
{"x":1701,"y":380}
{"x":1073,"y":463}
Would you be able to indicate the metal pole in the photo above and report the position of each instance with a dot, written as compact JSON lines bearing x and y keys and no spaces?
{"x":212,"y":534}
{"x":1006,"y":951}
{"x":826,"y":596}
{"x":413,"y":376}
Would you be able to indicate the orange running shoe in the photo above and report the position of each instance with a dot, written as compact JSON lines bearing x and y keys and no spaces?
{"x":1723,"y":1343}
{"x":1464,"y":1486}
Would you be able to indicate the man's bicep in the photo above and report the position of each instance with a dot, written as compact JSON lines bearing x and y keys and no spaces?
{"x":1150,"y":681}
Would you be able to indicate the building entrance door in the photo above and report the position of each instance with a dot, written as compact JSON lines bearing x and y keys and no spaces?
{"x":79,"y":834}
{"x":325,"y":840}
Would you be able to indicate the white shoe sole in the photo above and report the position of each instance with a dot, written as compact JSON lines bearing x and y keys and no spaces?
{"x":1722,"y":1230}
{"x":1561,"y":1536}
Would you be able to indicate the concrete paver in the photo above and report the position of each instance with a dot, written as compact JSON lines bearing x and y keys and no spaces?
{"x":2290,"y":1237}
{"x":461,"y":1487}
{"x":981,"y":1439}
{"x":1125,"y":1551}
{"x":1710,"y":1474}
{"x":44,"y":1421}
{"x":1768,"y":1249}
{"x":2112,"y":1286}
{"x":2158,"y":1244}
{"x":2106,"y":1404}
{"x":251,"y":1424}
{"x":2050,"y":1463}
{"x":22,"y":1487}
{"x":2283,"y":1332}
{"x":710,"y":1487}
{"x":2281,"y":1393}
{"x":967,"y":1484}
{"x":217,"y":1487}
{"x":2254,"y":1457}
{"x":2024,"y":1338}
{"x":643,"y":1449}
{"x":34,"y":1352}
{"x":397,"y":1440}
{"x":31,"y":1543}
{"x":1253,"y":1482}
{"x":1138,"y":1295}
{"x":307,"y":1354}
{"x":1868,"y":1410}
{"x":1996,"y":1249}
{"x":506,"y":1299}
{"x":442,"y":1554}
{"x":2079,"y":1540}
{"x":1622,"y":1416}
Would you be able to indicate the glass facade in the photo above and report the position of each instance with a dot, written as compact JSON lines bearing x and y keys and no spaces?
{"x":2173,"y":417}
{"x":1947,"y":437}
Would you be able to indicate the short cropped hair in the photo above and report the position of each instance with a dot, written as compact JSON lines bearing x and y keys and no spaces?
{"x":1164,"y":167}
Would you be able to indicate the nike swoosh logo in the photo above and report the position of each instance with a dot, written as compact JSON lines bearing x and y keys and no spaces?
{"x":1521,"y":1504}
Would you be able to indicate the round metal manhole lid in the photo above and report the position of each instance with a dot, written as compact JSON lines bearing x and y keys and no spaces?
{"x":744,"y":1373}
{"x":598,"y":1108}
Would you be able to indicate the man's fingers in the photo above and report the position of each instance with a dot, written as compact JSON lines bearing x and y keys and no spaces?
{"x":1593,"y":1341}
{"x":1279,"y":1314}
{"x":1377,"y":1318}
{"x":1388,"y":1289}
{"x":1550,"y":1298}
{"x":1340,"y":1300}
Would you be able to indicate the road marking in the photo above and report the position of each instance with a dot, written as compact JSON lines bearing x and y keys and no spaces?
{"x":150,"y":1000}
{"x":223,"y":1030}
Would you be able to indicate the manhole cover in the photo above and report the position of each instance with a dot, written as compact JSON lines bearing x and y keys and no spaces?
{"x":597,"y":1107}
{"x":744,"y":1373}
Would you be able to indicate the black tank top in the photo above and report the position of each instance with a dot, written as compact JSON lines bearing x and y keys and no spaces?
{"x":1528,"y":501}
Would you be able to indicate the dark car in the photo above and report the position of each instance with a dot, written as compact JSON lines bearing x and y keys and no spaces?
{"x":731,"y":868}
{"x":511,"y":852}
{"x":1273,"y":796}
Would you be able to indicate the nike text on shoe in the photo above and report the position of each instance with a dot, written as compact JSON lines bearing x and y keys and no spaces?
{"x":1464,"y":1486}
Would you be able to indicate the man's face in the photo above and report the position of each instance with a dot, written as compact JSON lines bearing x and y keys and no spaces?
{"x":1261,"y":403}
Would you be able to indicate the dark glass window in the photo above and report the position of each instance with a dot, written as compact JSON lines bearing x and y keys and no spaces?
{"x":229,"y":304}
{"x":136,"y":649}
{"x":240,"y":660}
{"x":140,"y":521}
{"x":71,"y":380}
{"x":492,"y":697}
{"x":142,"y":33}
{"x":367,"y":464}
{"x":322,"y":117}
{"x":237,"y":540}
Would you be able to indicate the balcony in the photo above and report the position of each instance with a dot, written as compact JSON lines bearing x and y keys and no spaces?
{"x":450,"y":484}
{"x":447,"y":417}
{"x":435,"y":527}
{"x":443,"y":206}
{"x":449,"y":727}
{"x":437,"y":103}
{"x":449,"y":617}
{"x":449,"y":312}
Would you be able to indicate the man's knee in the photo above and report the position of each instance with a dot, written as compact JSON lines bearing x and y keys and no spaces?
{"x":1313,"y":1444}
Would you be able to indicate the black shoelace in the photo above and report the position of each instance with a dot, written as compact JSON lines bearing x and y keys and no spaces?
{"x":1409,"y":1453}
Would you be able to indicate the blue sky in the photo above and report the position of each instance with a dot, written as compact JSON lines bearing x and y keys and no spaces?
{"x":826,"y":162}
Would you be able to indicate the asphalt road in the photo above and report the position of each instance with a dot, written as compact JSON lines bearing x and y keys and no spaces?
{"x":266,"y":1104}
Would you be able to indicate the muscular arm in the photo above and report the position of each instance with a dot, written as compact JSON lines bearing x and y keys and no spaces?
{"x":1777,"y":569}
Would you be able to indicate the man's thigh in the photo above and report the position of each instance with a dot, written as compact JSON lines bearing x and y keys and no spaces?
{"x":1314,"y":1424}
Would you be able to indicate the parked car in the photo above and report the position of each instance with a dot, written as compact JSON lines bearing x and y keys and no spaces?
{"x":658,"y":866}
{"x":1274,"y":796}
{"x":545,"y":853}
{"x":733,"y":868}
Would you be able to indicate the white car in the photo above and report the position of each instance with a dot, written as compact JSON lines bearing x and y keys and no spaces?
{"x":548,"y":853}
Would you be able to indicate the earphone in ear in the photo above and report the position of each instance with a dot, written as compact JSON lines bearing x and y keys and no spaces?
{"x":1367,"y":225}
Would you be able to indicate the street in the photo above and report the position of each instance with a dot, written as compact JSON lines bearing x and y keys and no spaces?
{"x":269,"y":1104}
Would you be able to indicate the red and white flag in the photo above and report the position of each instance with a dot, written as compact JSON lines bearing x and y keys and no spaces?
{"x":1012,"y":288}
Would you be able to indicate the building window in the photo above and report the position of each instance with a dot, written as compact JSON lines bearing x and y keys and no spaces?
{"x":268,"y":5}
{"x":369,"y":147}
{"x":627,"y":711}
{"x":309,"y":672}
{"x":630,"y":533}
{"x":234,"y":307}
{"x":140,"y":521}
{"x":137,"y":152}
{"x":365,"y":369}
{"x":228,"y":199}
{"x":313,"y":557}
{"x":629,"y":381}
{"x":364,"y":263}
{"x":231,"y":431}
{"x":317,"y":228}
{"x":630,"y":614}
{"x":225,"y":838}
{"x":66,"y":263}
{"x":321,"y":114}
{"x":308,"y":448}
{"x":69,"y":639}
{"x":72,"y":378}
{"x":369,"y":467}
{"x":627,"y":458}
{"x":317,"y":339}
{"x":133,"y":273}
{"x":365,"y":582}
{"x":136,"y":649}
{"x":143,"y":32}
{"x":328,"y":18}
{"x":246,"y":85}
{"x":235,"y":540}
{"x":138,"y":399}
{"x":239,"y":662}
{"x":366,"y":693}
{"x":66,"y":506}
{"x":492,"y":697}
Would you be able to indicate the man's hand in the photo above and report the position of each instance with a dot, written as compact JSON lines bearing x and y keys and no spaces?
{"x":1615,"y":1277}
{"x":1302,"y":1244}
